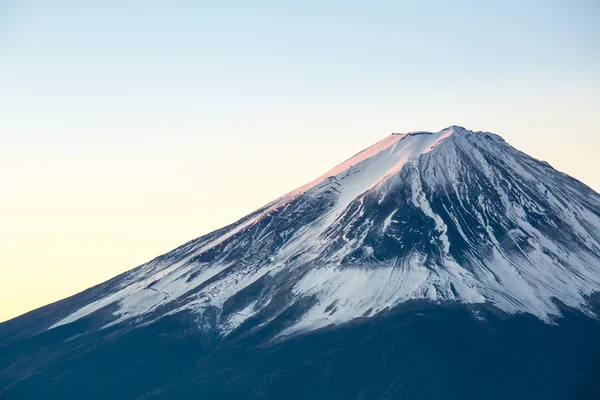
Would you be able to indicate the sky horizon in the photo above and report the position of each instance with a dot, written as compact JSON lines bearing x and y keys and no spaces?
{"x":129,"y":128}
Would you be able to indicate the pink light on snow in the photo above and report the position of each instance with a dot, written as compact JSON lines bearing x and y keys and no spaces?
{"x":369,"y":152}
{"x":411,"y":151}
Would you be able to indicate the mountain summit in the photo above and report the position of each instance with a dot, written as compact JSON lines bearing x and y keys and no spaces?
{"x":453,"y":215}
{"x":449,"y":218}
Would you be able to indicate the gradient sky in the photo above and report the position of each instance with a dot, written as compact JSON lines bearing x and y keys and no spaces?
{"x":130,"y":127}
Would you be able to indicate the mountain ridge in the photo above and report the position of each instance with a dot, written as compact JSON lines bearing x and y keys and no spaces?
{"x":431,"y":265}
{"x":318,"y":239}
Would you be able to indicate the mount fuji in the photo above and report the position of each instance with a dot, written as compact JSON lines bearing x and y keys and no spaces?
{"x":430,"y":265}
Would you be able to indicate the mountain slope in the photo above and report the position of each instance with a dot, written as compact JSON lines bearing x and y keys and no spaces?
{"x":453,"y":215}
{"x":416,"y":221}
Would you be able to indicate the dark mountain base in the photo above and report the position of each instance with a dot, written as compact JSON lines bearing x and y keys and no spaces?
{"x":424,"y":353}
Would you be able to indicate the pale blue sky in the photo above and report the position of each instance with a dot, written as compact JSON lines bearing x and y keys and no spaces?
{"x":128,"y":127}
{"x":64,"y":63}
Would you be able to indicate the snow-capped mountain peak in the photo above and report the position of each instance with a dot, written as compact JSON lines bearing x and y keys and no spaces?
{"x":453,"y":215}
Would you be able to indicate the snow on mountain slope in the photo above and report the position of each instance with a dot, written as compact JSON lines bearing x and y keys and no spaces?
{"x":448,"y":216}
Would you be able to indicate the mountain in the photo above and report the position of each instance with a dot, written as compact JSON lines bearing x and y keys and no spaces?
{"x":429,"y":265}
